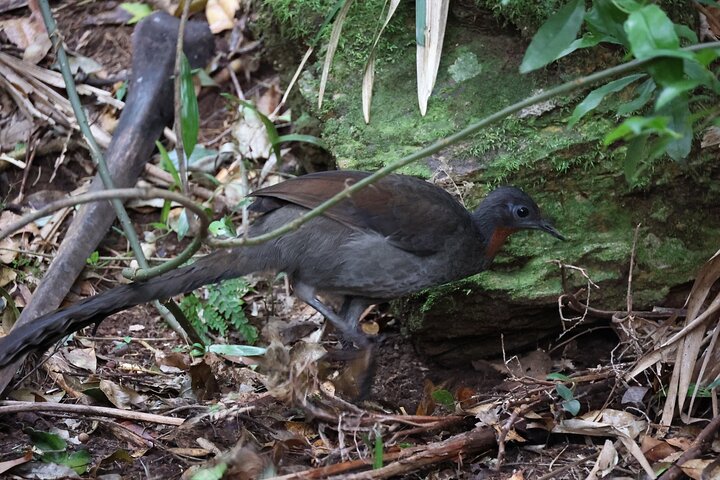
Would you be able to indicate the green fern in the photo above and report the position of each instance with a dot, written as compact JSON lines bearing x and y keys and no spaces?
{"x":222,"y":309}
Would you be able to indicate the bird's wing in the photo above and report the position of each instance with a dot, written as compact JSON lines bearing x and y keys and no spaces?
{"x":412,"y":214}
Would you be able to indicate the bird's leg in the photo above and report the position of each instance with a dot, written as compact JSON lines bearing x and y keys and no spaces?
{"x":348,"y":329}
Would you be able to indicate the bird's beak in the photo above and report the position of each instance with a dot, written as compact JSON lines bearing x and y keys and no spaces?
{"x":547,"y":227}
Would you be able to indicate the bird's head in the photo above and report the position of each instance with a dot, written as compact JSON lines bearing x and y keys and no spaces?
{"x":505,"y":211}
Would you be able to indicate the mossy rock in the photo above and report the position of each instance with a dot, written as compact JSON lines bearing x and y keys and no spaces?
{"x":567,"y":170}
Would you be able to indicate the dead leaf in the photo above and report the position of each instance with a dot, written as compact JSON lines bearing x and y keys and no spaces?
{"x":7,"y":465}
{"x":29,"y":35}
{"x":694,"y":468}
{"x":7,"y":275}
{"x":251,"y":136}
{"x":120,"y":396}
{"x":221,"y":14}
{"x":82,"y":358}
{"x":606,"y":462}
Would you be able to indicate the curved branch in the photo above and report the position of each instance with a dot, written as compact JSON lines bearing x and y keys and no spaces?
{"x":125,"y":193}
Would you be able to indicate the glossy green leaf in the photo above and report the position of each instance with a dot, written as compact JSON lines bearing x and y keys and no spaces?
{"x":627,"y":6}
{"x":680,"y":123}
{"x":297,"y":137}
{"x":644,"y":94}
{"x":189,"y":112}
{"x":554,"y":36}
{"x":605,"y":19}
{"x":638,"y":125}
{"x":594,"y":98}
{"x":137,"y":10}
{"x":683,"y":31}
{"x":558,"y":376}
{"x":649,"y":30}
{"x":378,"y":451}
{"x":237,"y":350}
{"x":564,"y":392}
{"x":586,"y":41}
{"x":46,"y":441}
{"x":635,"y":153}
{"x":672,"y":91}
{"x":167,"y":164}
{"x":571,"y":406}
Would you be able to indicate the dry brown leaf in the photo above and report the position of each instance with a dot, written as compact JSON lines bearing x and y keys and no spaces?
{"x":120,"y":396}
{"x":369,"y":74}
{"x":221,"y":14}
{"x":82,"y":358}
{"x":29,"y":35}
{"x":332,"y":46}
{"x":694,"y":468}
{"x":606,"y":462}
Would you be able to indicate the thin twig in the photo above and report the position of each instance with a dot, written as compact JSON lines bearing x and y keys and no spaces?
{"x":8,"y":407}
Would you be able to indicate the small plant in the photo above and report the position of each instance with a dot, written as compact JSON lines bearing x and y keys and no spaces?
{"x":569,"y":403}
{"x":51,"y":448}
{"x":222,"y":309}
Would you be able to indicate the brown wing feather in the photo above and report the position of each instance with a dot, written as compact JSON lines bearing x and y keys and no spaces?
{"x":414,"y":215}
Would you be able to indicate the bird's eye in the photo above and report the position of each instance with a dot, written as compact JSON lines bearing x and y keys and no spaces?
{"x":522,"y":212}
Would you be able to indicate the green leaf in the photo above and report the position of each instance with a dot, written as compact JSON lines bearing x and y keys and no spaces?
{"x":649,"y":30}
{"x":237,"y":350}
{"x":571,"y":406}
{"x":93,"y":258}
{"x":639,"y":125}
{"x":586,"y":41}
{"x":627,"y":6}
{"x":443,"y":397}
{"x":121,"y":91}
{"x":45,"y":441}
{"x":594,"y":98}
{"x":216,"y":472}
{"x":137,"y":10}
{"x":644,"y":94}
{"x":420,"y":19}
{"x":219,"y":228}
{"x":564,"y":392}
{"x":680,"y":123}
{"x":167,"y":164}
{"x":189,"y":112}
{"x":554,"y":36}
{"x":634,"y":155}
{"x":378,"y":454}
{"x":558,"y":376}
{"x":674,"y":90}
{"x":183,"y":226}
{"x":297,"y":137}
{"x":605,"y":19}
{"x":683,"y":31}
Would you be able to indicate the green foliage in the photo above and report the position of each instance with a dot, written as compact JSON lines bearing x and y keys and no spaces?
{"x":677,"y":76}
{"x":137,"y":10}
{"x":51,"y":448}
{"x":222,"y":309}
{"x":443,"y":397}
{"x":378,"y":451}
{"x":189,"y":111}
{"x":569,"y":403}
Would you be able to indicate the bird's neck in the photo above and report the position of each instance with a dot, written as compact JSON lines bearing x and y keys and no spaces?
{"x":493,"y":234}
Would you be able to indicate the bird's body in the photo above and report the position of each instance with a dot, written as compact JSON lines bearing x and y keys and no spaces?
{"x":395,"y":237}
